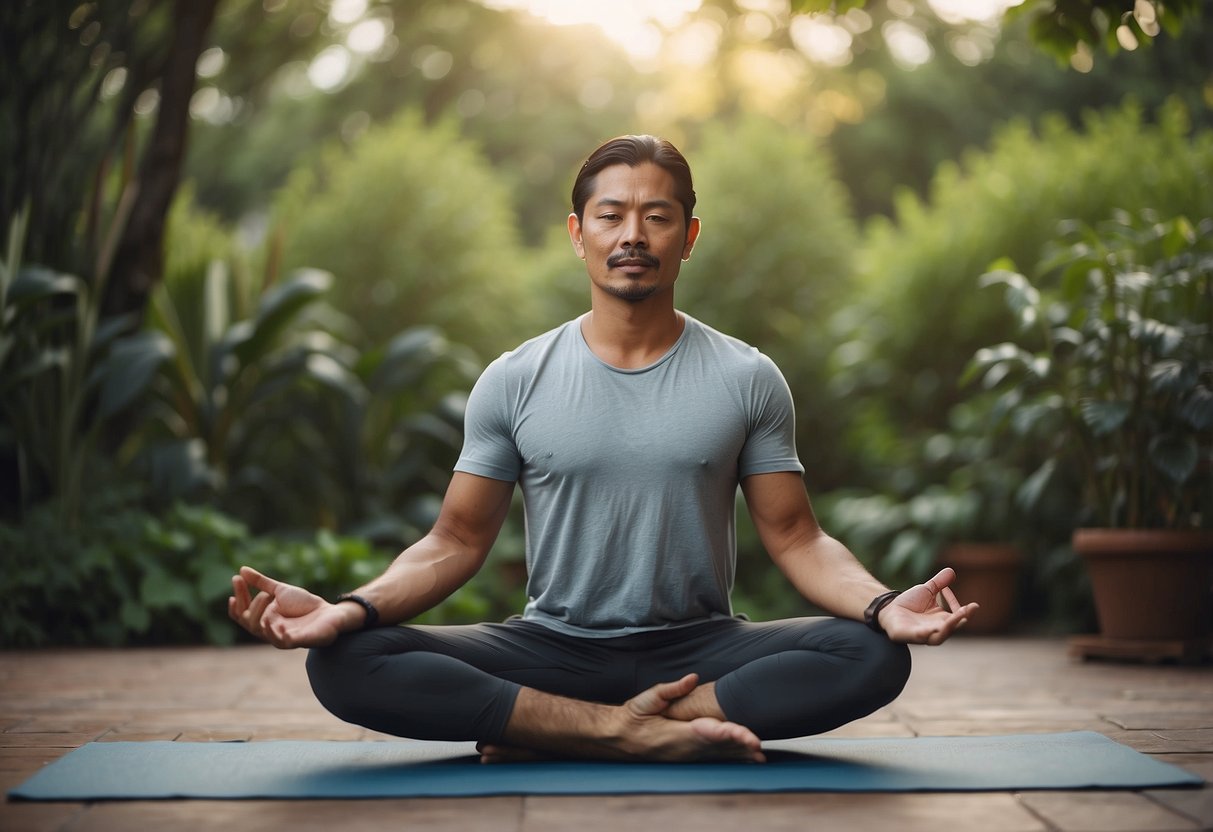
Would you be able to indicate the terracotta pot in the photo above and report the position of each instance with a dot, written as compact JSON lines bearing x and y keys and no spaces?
{"x":1150,"y":583}
{"x":987,"y":573}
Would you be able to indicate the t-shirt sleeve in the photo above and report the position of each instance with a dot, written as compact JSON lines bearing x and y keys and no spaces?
{"x":771,"y":441}
{"x":489,"y":449}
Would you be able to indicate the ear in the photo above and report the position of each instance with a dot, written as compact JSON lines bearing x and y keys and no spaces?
{"x":575,"y":235}
{"x":692,"y":236}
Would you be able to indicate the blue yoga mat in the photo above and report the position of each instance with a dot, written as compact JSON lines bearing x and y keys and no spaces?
{"x":297,"y":769}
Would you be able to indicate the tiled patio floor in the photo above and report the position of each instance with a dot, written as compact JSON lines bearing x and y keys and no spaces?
{"x":53,"y":701}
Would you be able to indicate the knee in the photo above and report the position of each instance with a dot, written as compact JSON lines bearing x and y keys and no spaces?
{"x":337,"y":673}
{"x":881,"y":666}
{"x":889,"y":667}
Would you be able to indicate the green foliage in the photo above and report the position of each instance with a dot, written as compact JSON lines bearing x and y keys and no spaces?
{"x":392,"y":453}
{"x":960,"y":488}
{"x":269,"y":410}
{"x":420,"y":230}
{"x":1113,"y":371}
{"x":773,"y":260}
{"x":895,"y":375}
{"x":218,"y":398}
{"x":128,"y":577}
{"x":124,"y":576}
{"x":1060,"y":27}
{"x":59,"y":126}
{"x":64,"y":373}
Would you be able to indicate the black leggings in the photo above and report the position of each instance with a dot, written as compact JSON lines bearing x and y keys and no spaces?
{"x":780,"y":679}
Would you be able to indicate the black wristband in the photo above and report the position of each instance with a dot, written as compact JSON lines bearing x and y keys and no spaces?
{"x":872,"y":613}
{"x":372,"y":614}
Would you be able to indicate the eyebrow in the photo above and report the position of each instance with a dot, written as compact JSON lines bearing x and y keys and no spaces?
{"x":612,"y":202}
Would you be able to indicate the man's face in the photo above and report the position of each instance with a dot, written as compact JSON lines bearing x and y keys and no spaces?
{"x":633,"y":236}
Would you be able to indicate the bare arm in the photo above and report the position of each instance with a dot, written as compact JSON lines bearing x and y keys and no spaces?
{"x":822,"y":569}
{"x":826,"y":573}
{"x":445,"y":559}
{"x":419,"y":578}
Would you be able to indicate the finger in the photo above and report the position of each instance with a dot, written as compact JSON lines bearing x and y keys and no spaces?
{"x":278,"y":636}
{"x":656,"y":699}
{"x":951,"y":624}
{"x":257,"y":580}
{"x":949,"y":597}
{"x":240,"y":590}
{"x":942,"y":578}
{"x":256,"y":612}
{"x":669,"y":691}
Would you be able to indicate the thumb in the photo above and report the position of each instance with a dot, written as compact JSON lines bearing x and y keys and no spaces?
{"x":656,"y":699}
{"x":258,"y":581}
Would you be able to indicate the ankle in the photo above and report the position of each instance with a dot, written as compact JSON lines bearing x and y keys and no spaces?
{"x":698,"y":703}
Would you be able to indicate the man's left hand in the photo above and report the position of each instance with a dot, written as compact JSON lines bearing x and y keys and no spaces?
{"x":916,"y":616}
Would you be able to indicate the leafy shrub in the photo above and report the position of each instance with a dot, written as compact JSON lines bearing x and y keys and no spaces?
{"x":773,"y":261}
{"x":1113,"y":372}
{"x":65,"y":374}
{"x":125,"y":576}
{"x":420,"y":230}
{"x":917,"y":316}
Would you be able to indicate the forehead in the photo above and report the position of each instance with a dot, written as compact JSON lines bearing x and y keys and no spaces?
{"x":644,"y":183}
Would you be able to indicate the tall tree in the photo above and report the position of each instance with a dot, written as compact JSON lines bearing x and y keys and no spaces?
{"x":83,"y":81}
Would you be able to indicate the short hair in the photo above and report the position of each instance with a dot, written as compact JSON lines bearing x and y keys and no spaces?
{"x":634,"y":151}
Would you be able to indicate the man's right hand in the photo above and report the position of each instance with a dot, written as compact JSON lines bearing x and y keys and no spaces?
{"x":287,"y":616}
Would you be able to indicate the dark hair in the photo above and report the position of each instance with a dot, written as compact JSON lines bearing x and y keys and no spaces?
{"x":634,"y":151}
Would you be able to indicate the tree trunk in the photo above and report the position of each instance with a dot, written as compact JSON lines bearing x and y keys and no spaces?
{"x":138,"y":261}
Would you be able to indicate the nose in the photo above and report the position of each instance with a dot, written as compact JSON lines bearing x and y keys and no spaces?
{"x":633,"y":233}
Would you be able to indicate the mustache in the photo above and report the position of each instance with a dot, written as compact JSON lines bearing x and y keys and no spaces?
{"x":633,"y":255}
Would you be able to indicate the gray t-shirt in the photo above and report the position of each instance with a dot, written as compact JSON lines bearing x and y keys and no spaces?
{"x":629,"y":477}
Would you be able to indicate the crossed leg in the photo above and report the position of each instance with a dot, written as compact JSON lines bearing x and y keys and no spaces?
{"x":641,"y":728}
{"x":521,"y":689}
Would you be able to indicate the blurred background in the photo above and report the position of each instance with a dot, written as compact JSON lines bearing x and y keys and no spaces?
{"x":257,"y":251}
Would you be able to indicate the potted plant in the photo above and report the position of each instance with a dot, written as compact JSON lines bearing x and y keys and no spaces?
{"x":957,"y":510}
{"x":983,"y":538}
{"x":1113,"y":377}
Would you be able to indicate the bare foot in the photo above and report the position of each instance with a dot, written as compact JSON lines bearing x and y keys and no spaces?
{"x":699,"y":702}
{"x":639,"y":729}
{"x":662,"y":737}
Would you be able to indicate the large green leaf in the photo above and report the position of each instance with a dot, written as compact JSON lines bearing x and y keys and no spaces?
{"x":161,"y":590}
{"x":407,"y":357}
{"x":1031,"y":493}
{"x":1104,"y":417}
{"x":1175,"y":455}
{"x":1171,"y":376}
{"x":35,"y":283}
{"x":279,"y":308}
{"x":1197,"y":411}
{"x":46,"y":360}
{"x":128,"y":368}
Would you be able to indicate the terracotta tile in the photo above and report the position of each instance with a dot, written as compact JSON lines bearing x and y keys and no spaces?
{"x":1194,"y":804}
{"x":138,"y":736}
{"x":1105,"y":812}
{"x":497,"y":814}
{"x":1164,"y":720}
{"x":1161,"y":742}
{"x":781,"y":813}
{"x":219,"y":735}
{"x":36,"y":817}
{"x":28,"y":759}
{"x":968,"y":686}
{"x":52,"y":740}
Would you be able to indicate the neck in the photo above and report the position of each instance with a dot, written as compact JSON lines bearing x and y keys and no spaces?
{"x":630,"y":336}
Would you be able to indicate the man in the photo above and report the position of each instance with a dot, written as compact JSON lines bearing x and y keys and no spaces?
{"x":629,"y":431}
